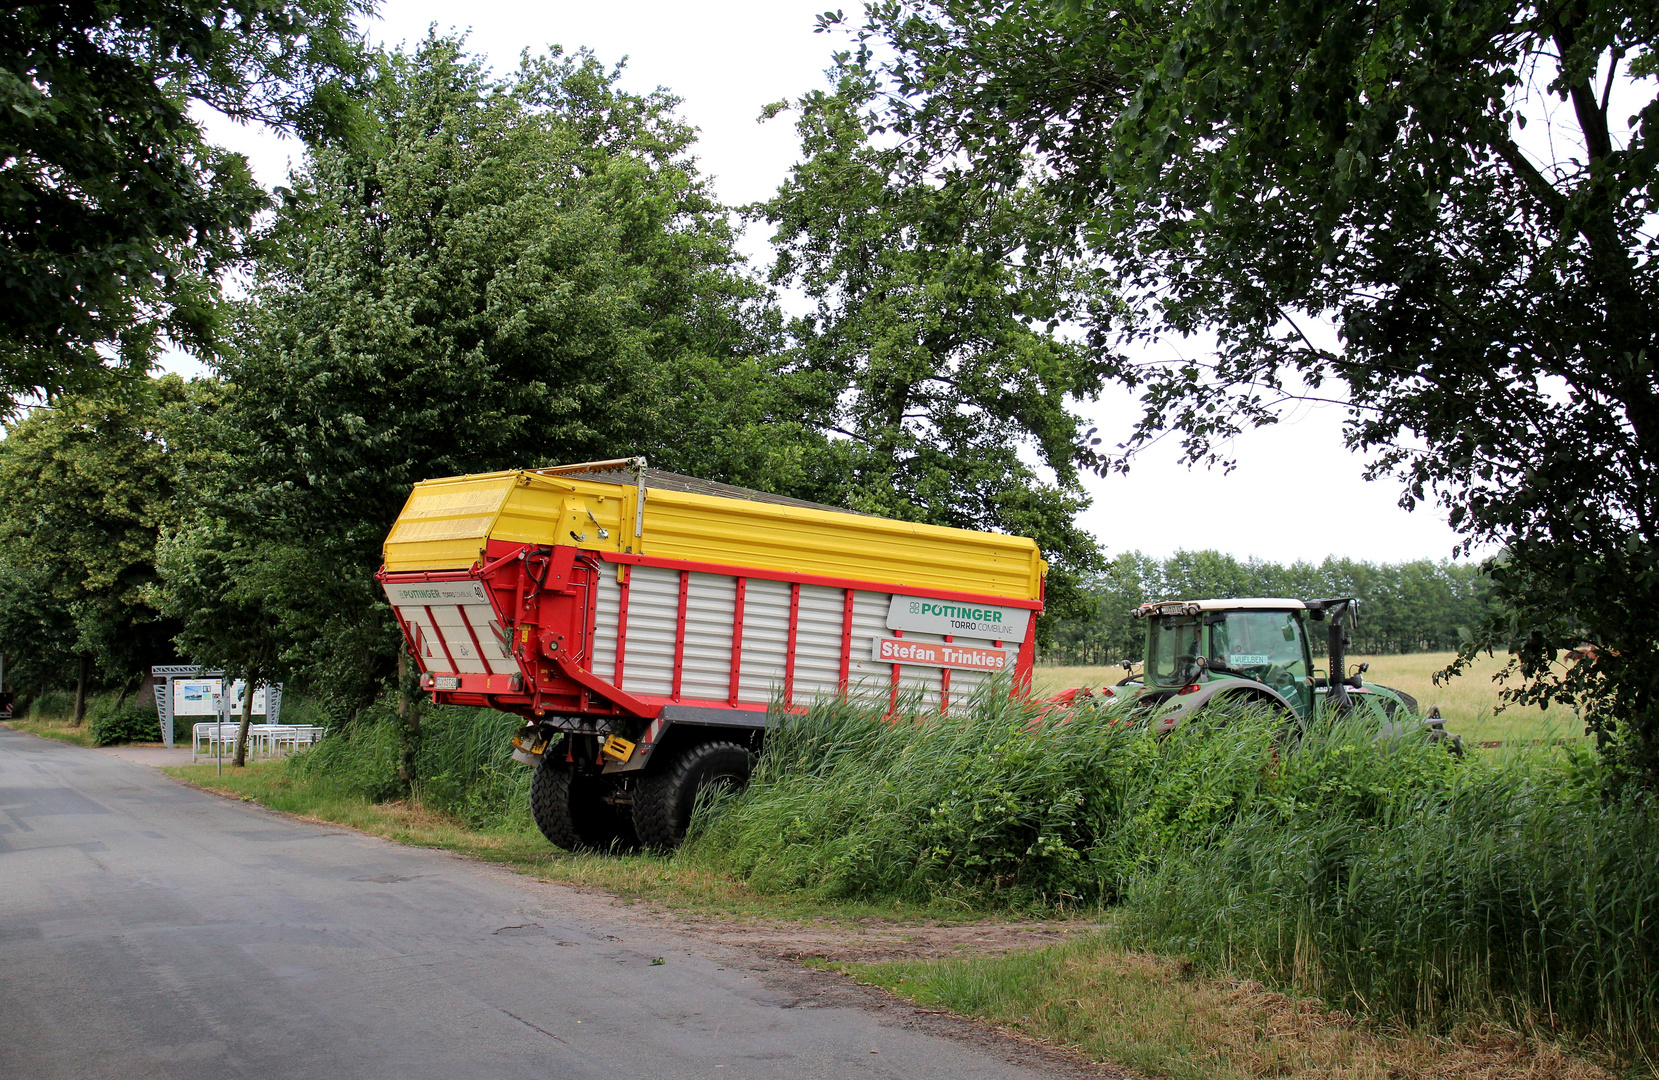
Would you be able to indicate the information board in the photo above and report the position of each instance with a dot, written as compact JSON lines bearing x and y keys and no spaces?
{"x":200,"y":697}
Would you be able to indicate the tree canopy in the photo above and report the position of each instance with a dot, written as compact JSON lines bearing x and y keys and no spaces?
{"x":1247,"y":169}
{"x":117,"y":219}
{"x":90,"y":486}
{"x":931,"y":359}
{"x":507,"y":272}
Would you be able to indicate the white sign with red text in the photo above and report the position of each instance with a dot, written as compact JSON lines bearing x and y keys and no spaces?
{"x":890,"y":650}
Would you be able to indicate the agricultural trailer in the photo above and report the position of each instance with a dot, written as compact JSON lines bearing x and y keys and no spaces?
{"x":646,"y":624}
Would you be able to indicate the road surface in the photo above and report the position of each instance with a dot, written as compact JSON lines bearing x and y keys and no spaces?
{"x":151,"y":930}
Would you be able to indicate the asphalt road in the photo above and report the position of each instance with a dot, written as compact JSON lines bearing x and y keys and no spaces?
{"x":151,"y":930}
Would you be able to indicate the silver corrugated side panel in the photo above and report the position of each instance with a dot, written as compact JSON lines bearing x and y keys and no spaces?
{"x":653,"y":612}
{"x":765,"y":640}
{"x":919,"y":686}
{"x":964,"y":683}
{"x":866,"y":677}
{"x":818,"y":643}
{"x":710,"y":614}
{"x":606,"y":607}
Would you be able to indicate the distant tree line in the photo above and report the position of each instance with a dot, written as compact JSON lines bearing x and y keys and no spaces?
{"x":1420,"y":606}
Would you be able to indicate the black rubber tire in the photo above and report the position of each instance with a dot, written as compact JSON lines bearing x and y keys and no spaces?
{"x":1245,"y":699}
{"x":664,"y":800}
{"x":570,"y":811}
{"x":1413,"y":710}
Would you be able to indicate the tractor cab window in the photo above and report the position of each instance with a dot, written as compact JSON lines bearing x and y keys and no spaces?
{"x":1172,"y":652}
{"x":1263,"y":645}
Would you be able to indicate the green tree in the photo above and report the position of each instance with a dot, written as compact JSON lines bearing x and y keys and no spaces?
{"x":1243,"y":167}
{"x":931,"y":358}
{"x":508,"y":272}
{"x":225,"y":592}
{"x":86,"y":488}
{"x":116,"y":217}
{"x":1106,"y":632}
{"x":37,"y":631}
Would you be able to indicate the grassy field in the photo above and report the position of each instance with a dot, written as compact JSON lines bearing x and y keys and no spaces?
{"x":1469,"y":702}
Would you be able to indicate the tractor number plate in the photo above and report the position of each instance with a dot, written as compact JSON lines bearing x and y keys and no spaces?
{"x":447,"y":682}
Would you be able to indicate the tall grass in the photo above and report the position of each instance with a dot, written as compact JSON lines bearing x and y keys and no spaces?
{"x":462,"y":763}
{"x":1005,"y":805}
{"x":1383,"y":874}
{"x":1517,"y":890}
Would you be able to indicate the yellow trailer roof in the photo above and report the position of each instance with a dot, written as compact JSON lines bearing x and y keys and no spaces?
{"x":446,"y":523}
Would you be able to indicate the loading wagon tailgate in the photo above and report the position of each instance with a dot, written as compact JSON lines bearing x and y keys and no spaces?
{"x":453,"y":628}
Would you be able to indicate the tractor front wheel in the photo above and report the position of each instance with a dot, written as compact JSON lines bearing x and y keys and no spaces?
{"x":570,"y":809}
{"x":664,"y":800}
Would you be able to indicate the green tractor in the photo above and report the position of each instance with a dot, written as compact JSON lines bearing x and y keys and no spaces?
{"x":1257,"y":651}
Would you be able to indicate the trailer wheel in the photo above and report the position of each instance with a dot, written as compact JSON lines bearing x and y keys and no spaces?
{"x":570,"y":810}
{"x":664,"y":800}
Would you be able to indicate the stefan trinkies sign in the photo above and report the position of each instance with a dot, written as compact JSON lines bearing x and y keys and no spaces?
{"x":890,"y":650}
{"x":958,"y":618}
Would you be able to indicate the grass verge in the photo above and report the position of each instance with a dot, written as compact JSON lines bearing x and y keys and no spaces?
{"x":1162,"y":1017}
{"x":669,"y":882}
{"x":52,"y":727}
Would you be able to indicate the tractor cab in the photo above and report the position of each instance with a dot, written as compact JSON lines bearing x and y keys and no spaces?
{"x":1264,"y":641}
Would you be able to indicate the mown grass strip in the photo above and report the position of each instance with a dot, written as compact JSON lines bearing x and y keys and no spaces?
{"x":1162,"y":1017}
{"x":52,"y":728}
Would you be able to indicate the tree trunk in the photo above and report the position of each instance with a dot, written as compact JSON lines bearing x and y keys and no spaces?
{"x":241,"y":757}
{"x":411,"y":724}
{"x":83,"y":671}
{"x":126,"y":691}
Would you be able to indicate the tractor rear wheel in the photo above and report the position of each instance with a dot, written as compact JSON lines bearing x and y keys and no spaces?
{"x":664,"y":800}
{"x":1391,"y":707}
{"x":571,"y":811}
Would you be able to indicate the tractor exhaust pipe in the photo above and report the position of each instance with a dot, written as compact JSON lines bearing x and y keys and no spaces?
{"x":1337,"y":697}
